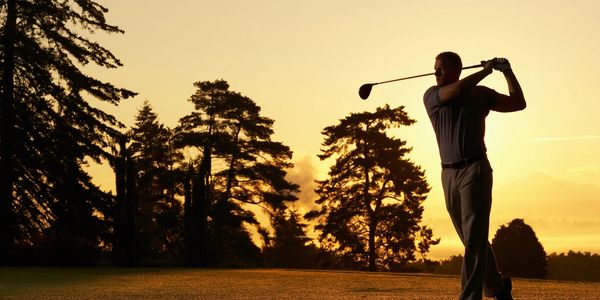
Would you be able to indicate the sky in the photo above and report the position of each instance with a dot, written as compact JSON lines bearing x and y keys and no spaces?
{"x":302,"y":62}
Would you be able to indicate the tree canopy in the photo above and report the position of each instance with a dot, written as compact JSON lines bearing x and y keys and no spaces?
{"x":158,"y":184}
{"x":289,"y":246}
{"x":518,"y":251}
{"x":48,"y":130}
{"x":370,"y":203}
{"x":237,"y":164}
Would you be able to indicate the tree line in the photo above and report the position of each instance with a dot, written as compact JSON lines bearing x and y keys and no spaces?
{"x":184,"y":195}
{"x":519,"y":253}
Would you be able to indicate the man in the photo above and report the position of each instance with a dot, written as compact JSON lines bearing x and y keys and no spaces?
{"x":457,"y":109}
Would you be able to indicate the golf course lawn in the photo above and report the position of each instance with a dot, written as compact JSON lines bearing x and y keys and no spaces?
{"x":182,"y":283}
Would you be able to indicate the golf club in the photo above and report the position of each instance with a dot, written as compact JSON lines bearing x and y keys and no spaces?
{"x":365,"y":90}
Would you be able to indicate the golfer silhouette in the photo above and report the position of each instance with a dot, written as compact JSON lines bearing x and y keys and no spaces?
{"x":457,"y":110}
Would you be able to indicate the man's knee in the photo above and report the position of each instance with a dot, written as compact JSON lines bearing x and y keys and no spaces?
{"x":475,"y":234}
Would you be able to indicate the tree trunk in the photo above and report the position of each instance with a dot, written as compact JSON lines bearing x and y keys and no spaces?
{"x":372,"y":224}
{"x":188,"y":215}
{"x":120,"y":175}
{"x":372,"y":252}
{"x":194,"y":226}
{"x":230,"y":173}
{"x":8,"y":224}
{"x":203,"y":205}
{"x":197,"y":212}
{"x":124,"y":248}
{"x":131,"y":211}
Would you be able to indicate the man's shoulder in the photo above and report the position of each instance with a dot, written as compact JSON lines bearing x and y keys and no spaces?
{"x":430,"y":97}
{"x":430,"y":90}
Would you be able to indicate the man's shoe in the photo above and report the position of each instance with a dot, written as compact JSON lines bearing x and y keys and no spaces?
{"x":506,"y":292}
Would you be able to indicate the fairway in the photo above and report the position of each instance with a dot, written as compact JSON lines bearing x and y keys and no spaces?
{"x":179,"y":283}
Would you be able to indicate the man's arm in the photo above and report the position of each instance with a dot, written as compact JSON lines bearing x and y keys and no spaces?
{"x":448,"y":92}
{"x":516,"y":100}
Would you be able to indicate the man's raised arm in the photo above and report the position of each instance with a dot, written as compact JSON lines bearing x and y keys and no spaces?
{"x":515,"y":101}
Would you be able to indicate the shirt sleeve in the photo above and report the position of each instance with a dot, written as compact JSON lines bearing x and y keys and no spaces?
{"x":492,"y":94}
{"x":431,"y":99}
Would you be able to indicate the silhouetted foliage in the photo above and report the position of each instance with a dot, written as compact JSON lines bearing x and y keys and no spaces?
{"x":47,"y":128}
{"x":583,"y":266}
{"x":421,"y":265}
{"x":237,"y":163}
{"x":450,"y":266}
{"x":289,"y":247}
{"x":158,"y":212}
{"x":370,"y":204}
{"x":580,"y":266}
{"x":518,"y":251}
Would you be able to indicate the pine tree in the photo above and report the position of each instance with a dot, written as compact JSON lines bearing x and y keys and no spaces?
{"x":156,"y":176}
{"x":289,"y":247}
{"x":238,"y":164}
{"x":371,"y":201}
{"x":47,"y":129}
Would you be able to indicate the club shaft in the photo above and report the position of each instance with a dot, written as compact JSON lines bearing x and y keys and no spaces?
{"x":422,"y":75}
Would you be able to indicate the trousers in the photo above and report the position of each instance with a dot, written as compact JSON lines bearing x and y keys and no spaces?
{"x":468,"y":194}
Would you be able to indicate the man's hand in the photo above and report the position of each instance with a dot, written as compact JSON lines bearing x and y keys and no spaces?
{"x":502,"y":65}
{"x":489,"y":65}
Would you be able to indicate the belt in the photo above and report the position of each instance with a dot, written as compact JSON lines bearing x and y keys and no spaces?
{"x":463,"y":163}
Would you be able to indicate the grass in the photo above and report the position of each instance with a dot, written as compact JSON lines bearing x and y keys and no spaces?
{"x":180,"y":283}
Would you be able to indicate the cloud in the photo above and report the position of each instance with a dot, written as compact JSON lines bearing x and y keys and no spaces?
{"x":584,"y":170}
{"x":589,"y":174}
{"x":567,"y":138}
{"x":304,"y":174}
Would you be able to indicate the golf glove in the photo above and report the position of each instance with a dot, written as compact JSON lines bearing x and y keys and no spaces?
{"x":502,"y":65}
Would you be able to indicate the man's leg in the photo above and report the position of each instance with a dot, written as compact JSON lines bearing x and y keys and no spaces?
{"x":476,"y":198}
{"x":450,"y":184}
{"x":493,"y":279}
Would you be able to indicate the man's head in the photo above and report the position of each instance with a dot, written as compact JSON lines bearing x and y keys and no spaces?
{"x":447,"y":68}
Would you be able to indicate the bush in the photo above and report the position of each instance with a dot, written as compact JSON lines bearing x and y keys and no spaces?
{"x":450,"y":266}
{"x":574,"y":266}
{"x":57,"y":249}
{"x":518,"y":251}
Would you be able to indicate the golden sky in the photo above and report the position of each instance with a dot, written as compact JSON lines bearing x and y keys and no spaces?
{"x":303,"y":61}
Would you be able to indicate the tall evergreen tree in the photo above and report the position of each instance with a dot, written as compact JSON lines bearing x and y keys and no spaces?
{"x":371,"y":201}
{"x":47,"y":128}
{"x":238,"y":164}
{"x":158,"y":208}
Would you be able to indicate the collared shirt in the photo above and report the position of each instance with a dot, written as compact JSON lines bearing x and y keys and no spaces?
{"x":459,"y":124}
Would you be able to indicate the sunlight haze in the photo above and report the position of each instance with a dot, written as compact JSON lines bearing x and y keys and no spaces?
{"x":302,"y":62}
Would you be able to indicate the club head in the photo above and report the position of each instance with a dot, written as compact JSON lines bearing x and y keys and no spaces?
{"x":365,"y":90}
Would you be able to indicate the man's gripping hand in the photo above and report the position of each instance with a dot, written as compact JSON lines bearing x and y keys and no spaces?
{"x":489,"y":64}
{"x":502,"y":64}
